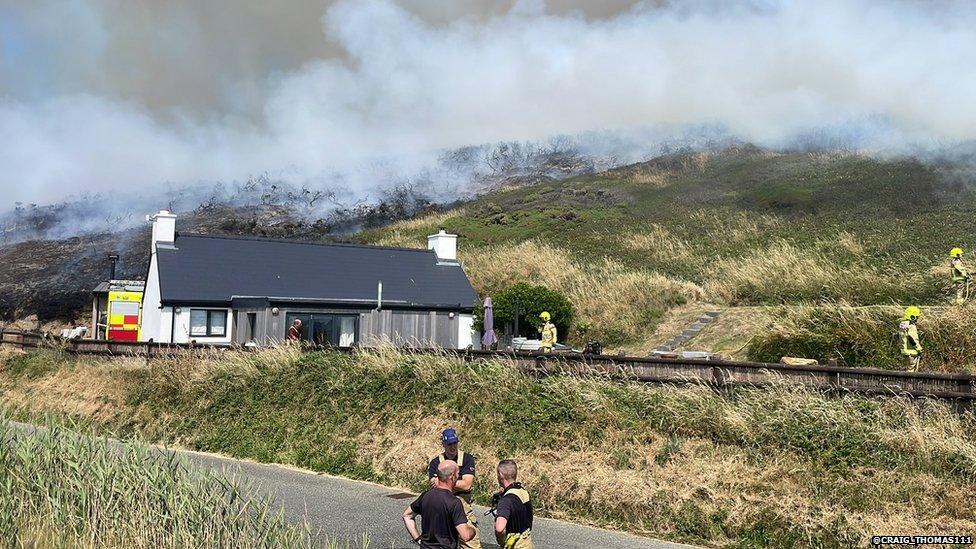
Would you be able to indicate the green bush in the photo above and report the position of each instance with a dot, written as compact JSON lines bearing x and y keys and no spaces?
{"x":532,"y":301}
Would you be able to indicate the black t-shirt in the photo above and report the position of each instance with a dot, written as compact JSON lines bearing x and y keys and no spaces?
{"x":519,"y":514}
{"x":441,"y":512}
{"x":465,"y":467}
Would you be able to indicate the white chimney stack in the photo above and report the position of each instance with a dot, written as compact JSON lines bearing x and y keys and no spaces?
{"x":444,"y":245}
{"x":163,"y":228}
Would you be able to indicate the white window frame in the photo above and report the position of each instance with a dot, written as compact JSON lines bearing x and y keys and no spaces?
{"x":210,"y":313}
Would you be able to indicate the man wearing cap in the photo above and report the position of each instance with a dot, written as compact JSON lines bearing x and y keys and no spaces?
{"x":462,"y":489}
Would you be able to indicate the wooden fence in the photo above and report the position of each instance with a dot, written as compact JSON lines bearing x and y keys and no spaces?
{"x":960,"y":388}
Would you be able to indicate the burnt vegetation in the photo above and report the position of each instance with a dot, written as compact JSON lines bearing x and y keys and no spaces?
{"x":52,"y":256}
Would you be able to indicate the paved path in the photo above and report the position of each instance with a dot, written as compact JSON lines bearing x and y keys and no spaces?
{"x":346,"y":509}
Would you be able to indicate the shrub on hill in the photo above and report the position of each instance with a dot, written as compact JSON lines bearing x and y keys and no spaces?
{"x":531,"y":301}
{"x":613,"y":303}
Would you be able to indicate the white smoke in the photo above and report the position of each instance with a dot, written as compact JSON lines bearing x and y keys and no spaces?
{"x":882,"y":75}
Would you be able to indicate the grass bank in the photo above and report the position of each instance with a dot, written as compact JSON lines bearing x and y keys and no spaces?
{"x":868,"y":336}
{"x":68,"y":488}
{"x":779,"y":468}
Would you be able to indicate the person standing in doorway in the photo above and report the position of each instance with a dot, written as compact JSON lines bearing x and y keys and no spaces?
{"x":295,"y":331}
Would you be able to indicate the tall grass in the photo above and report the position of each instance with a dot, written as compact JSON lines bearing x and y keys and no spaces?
{"x":753,"y":468}
{"x":63,"y":488}
{"x":784,"y":272}
{"x":614,"y":303}
{"x":868,"y":336}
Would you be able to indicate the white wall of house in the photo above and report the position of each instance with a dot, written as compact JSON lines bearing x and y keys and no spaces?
{"x":465,"y":331}
{"x":152,"y":322}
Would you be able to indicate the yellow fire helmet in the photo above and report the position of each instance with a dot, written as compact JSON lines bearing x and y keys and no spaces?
{"x":545,"y":315}
{"x":912,"y":313}
{"x":955,"y":252}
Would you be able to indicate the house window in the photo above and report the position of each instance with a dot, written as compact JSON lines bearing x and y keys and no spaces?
{"x":205,"y":322}
{"x":326,"y":329}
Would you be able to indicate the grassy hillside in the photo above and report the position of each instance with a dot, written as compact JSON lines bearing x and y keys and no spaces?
{"x":755,"y":468}
{"x":738,"y":228}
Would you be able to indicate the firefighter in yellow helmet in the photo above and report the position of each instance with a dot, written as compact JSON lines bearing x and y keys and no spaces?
{"x":960,"y":276}
{"x":548,"y":331}
{"x":911,"y":343}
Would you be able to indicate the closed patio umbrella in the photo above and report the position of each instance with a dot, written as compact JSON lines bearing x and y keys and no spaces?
{"x":489,"y":339}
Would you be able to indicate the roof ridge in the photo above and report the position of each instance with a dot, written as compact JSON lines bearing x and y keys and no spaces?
{"x":303,"y":242}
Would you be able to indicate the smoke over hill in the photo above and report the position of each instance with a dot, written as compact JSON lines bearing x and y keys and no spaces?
{"x":133,"y":101}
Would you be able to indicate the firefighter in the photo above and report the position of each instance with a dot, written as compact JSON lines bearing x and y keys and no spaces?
{"x":512,"y":509}
{"x":548,"y":331}
{"x":465,"y":481}
{"x":911,"y":343}
{"x":960,"y":276}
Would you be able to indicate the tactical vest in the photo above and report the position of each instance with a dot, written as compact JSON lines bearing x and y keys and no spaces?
{"x":959,"y":272}
{"x":910,"y":344}
{"x":523,"y":495}
{"x":460,"y":461}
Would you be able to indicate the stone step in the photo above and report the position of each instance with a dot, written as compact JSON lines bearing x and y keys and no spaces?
{"x":712,"y":314}
{"x":698,"y":325}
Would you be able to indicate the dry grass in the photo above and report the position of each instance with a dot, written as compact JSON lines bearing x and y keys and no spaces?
{"x":784,"y":271}
{"x":658,"y":244}
{"x":867,"y":336}
{"x":655,"y":179}
{"x":784,"y":467}
{"x":675,"y":320}
{"x":616,"y":303}
{"x":403,"y":234}
{"x":63,"y":488}
{"x":734,"y":226}
{"x":730,"y":334}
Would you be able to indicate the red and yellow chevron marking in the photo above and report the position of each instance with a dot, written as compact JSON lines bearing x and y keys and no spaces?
{"x":124,"y":316}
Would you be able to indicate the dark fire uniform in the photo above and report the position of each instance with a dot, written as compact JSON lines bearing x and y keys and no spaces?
{"x":516,"y":506}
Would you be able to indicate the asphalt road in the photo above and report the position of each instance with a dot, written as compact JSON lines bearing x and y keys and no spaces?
{"x":345,"y":509}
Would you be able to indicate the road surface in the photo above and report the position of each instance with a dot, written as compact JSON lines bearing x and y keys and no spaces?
{"x":345,"y":509}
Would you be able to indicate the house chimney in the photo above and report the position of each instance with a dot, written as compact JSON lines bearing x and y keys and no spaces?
{"x":163,"y":228}
{"x":444,"y":245}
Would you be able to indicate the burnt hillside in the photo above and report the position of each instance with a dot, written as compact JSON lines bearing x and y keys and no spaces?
{"x":53,"y":278}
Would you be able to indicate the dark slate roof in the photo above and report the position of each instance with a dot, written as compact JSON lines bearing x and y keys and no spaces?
{"x":216,"y":269}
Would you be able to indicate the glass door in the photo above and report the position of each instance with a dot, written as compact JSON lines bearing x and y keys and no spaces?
{"x":323,"y":330}
{"x":326,"y":329}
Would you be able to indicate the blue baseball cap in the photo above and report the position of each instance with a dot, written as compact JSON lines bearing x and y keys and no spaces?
{"x":449,"y":436}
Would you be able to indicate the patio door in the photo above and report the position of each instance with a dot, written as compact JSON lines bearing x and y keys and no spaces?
{"x":327,"y":329}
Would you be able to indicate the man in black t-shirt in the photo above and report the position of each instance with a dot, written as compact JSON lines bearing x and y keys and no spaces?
{"x":444,"y":524}
{"x":466,"y":464}
{"x":513,"y":512}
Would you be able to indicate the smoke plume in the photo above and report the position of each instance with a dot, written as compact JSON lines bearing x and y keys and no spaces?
{"x":135,"y":99}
